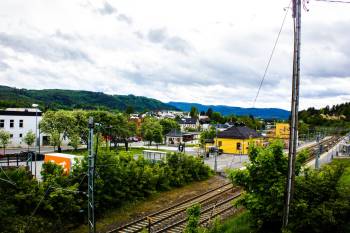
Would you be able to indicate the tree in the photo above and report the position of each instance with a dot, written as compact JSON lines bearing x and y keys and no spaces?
{"x":29,"y":138}
{"x":129,"y":110}
{"x":194,"y":112}
{"x":217,"y":117}
{"x":148,"y":136}
{"x":151,"y":128}
{"x":207,"y":135}
{"x":168,"y":125}
{"x":4,"y":139}
{"x":74,"y":141}
{"x":209,"y":112}
{"x":58,"y":124}
{"x":157,"y":136}
{"x":193,"y":214}
{"x":81,"y":125}
{"x":264,"y":182}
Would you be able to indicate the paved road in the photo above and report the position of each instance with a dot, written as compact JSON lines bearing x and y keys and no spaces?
{"x":226,"y":161}
{"x":43,"y":149}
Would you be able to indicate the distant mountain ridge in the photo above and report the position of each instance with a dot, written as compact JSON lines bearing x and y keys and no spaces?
{"x":75,"y":99}
{"x":72,"y":99}
{"x":265,"y":113}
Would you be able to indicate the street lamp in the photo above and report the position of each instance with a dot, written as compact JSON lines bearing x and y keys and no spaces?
{"x":36,"y":134}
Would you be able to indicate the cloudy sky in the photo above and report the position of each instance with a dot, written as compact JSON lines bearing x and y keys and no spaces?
{"x":208,"y":51}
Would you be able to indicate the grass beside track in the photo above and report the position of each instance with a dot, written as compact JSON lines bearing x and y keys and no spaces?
{"x":237,"y":224}
{"x":134,"y":210}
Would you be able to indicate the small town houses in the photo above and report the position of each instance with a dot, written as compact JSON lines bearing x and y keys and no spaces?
{"x":176,"y":137}
{"x":189,"y":124}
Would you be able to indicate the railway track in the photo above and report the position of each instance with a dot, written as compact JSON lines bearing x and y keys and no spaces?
{"x":216,"y":202}
{"x":165,"y":218}
{"x":326,"y":145}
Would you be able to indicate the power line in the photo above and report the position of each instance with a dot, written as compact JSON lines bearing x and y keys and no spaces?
{"x":333,"y":1}
{"x":9,"y":180}
{"x":272,"y":53}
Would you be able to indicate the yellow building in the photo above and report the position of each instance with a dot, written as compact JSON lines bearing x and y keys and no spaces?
{"x":282,"y":130}
{"x":236,"y":139}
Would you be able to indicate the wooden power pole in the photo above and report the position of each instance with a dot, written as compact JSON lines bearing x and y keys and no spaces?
{"x":294,"y":112}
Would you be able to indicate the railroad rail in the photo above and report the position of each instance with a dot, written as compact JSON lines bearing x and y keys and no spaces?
{"x":166,"y":217}
{"x":215,"y":202}
{"x":326,"y":145}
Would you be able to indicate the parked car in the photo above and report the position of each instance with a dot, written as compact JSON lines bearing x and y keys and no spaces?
{"x":213,"y":149}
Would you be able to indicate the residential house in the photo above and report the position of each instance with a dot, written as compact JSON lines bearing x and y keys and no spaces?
{"x":282,"y":130}
{"x":189,"y":123}
{"x":176,"y":137}
{"x":236,"y":139}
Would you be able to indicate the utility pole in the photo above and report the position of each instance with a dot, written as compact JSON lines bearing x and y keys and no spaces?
{"x":318,"y":152}
{"x":293,"y":137}
{"x":91,"y":175}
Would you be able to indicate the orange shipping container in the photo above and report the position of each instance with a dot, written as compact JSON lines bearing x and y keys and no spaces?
{"x":65,"y":160}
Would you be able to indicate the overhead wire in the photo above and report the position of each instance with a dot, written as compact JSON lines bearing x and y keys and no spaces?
{"x":272,"y":53}
{"x":333,"y":1}
{"x":9,"y":180}
{"x":47,"y":191}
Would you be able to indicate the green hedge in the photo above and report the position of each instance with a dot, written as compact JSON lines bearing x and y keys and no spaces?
{"x":60,"y":202}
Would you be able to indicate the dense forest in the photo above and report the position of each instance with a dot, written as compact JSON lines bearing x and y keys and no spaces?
{"x":69,"y":99}
{"x":335,"y":116}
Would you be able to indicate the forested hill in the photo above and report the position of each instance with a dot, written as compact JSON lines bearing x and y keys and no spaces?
{"x":70,"y":99}
{"x":328,"y":116}
{"x":265,"y":113}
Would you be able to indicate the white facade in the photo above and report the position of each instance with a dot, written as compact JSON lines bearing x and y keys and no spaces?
{"x":18,"y":122}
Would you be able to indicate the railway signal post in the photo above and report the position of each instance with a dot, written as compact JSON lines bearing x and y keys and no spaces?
{"x":91,"y":175}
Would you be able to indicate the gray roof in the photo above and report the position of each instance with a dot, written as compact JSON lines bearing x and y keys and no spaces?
{"x":174,"y":133}
{"x":188,"y":121}
{"x":178,"y":133}
{"x":239,"y":132}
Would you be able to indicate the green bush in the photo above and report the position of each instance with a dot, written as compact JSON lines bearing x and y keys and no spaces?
{"x":120,"y":178}
{"x":59,"y":202}
{"x":320,"y":203}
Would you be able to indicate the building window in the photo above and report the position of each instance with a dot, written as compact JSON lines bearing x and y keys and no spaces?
{"x":2,"y":123}
{"x":12,"y":123}
{"x":11,"y":135}
{"x":20,"y":135}
{"x":239,"y":146}
{"x":21,"y":123}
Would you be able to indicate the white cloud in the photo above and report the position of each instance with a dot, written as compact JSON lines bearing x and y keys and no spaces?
{"x":211,"y":52}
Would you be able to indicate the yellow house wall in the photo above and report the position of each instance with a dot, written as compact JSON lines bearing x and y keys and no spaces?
{"x":229,"y":145}
{"x":282,"y":130}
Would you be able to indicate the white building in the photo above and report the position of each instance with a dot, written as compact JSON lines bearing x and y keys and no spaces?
{"x":186,"y":123}
{"x":18,"y":122}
